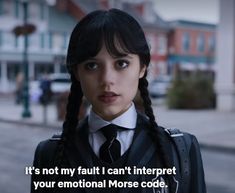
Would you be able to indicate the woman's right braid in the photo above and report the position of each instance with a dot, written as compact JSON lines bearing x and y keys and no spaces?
{"x":73,"y":106}
{"x":71,"y":118}
{"x":70,"y":123}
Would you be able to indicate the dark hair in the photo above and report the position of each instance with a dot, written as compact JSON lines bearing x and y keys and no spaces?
{"x":116,"y":29}
{"x":111,"y":28}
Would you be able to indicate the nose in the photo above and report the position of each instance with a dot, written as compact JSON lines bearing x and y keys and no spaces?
{"x":107,"y":76}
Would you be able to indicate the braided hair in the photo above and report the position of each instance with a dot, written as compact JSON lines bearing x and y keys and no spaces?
{"x":109,"y":28}
{"x":156,"y":132}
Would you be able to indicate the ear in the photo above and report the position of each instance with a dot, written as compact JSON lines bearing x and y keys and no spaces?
{"x":142,"y":71}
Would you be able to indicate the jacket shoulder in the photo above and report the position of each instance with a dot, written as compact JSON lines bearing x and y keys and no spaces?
{"x":45,"y":152}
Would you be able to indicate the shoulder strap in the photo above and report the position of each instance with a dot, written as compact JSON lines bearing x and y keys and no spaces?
{"x":182,"y":144}
{"x":55,"y":137}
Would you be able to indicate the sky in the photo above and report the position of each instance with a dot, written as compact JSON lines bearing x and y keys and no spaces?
{"x":195,"y":10}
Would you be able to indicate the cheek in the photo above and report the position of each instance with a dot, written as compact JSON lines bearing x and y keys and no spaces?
{"x":130,"y":83}
{"x":88,"y":86}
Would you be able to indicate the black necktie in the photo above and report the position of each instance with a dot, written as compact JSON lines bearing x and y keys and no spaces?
{"x":110,"y":151}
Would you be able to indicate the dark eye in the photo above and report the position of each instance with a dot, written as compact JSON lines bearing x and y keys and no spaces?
{"x":91,"y":66}
{"x":122,"y":64}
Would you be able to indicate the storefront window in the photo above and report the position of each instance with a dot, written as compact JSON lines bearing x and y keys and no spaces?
{"x":186,"y":42}
{"x":211,"y":42}
{"x":201,"y":43}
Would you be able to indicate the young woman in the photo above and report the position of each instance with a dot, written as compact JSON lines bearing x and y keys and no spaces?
{"x":107,"y":59}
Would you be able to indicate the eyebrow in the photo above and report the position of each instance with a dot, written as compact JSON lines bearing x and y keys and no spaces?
{"x":126,"y":56}
{"x":115,"y":57}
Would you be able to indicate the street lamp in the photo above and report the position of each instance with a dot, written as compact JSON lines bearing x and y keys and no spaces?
{"x":25,"y":30}
{"x":26,"y":112}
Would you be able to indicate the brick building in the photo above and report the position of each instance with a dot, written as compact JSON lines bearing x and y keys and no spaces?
{"x":155,"y":28}
{"x":191,"y":46}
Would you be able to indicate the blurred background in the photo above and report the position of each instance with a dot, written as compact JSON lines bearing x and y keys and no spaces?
{"x":191,"y":77}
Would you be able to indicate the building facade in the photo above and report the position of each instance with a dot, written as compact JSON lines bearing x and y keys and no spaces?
{"x":155,"y":28}
{"x":46,"y":46}
{"x":225,"y":65}
{"x":191,"y":46}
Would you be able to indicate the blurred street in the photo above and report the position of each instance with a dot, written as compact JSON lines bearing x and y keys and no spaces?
{"x":214,"y":130}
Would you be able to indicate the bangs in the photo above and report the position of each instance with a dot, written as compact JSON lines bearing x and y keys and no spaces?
{"x":102,"y":31}
{"x":118,"y":31}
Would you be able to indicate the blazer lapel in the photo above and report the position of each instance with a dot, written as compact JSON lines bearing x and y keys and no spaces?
{"x":78,"y":151}
{"x":141,"y":151}
{"x":79,"y":154}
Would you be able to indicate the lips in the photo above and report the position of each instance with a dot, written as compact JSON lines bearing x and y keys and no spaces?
{"x":108,"y":97}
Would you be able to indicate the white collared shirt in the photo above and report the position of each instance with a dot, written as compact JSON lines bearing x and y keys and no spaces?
{"x":128,"y":120}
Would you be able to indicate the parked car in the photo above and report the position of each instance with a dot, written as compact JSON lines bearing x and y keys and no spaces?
{"x":159,"y":86}
{"x":60,"y":82}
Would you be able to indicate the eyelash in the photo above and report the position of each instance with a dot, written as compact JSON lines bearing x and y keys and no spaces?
{"x":122,"y":61}
{"x":88,"y":66}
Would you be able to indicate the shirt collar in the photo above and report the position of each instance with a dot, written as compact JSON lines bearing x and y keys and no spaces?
{"x":127,"y":119}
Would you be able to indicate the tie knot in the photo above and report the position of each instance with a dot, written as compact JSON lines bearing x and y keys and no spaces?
{"x":110,"y":131}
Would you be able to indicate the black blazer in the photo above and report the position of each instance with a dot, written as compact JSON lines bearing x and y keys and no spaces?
{"x":143,"y":152}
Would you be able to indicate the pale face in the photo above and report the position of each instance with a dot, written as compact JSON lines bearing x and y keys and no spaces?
{"x":110,"y":84}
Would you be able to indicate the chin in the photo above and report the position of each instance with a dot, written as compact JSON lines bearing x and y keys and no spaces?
{"x":110,"y":114}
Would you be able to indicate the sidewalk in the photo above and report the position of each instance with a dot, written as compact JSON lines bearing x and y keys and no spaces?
{"x":10,"y":112}
{"x":214,"y":130}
